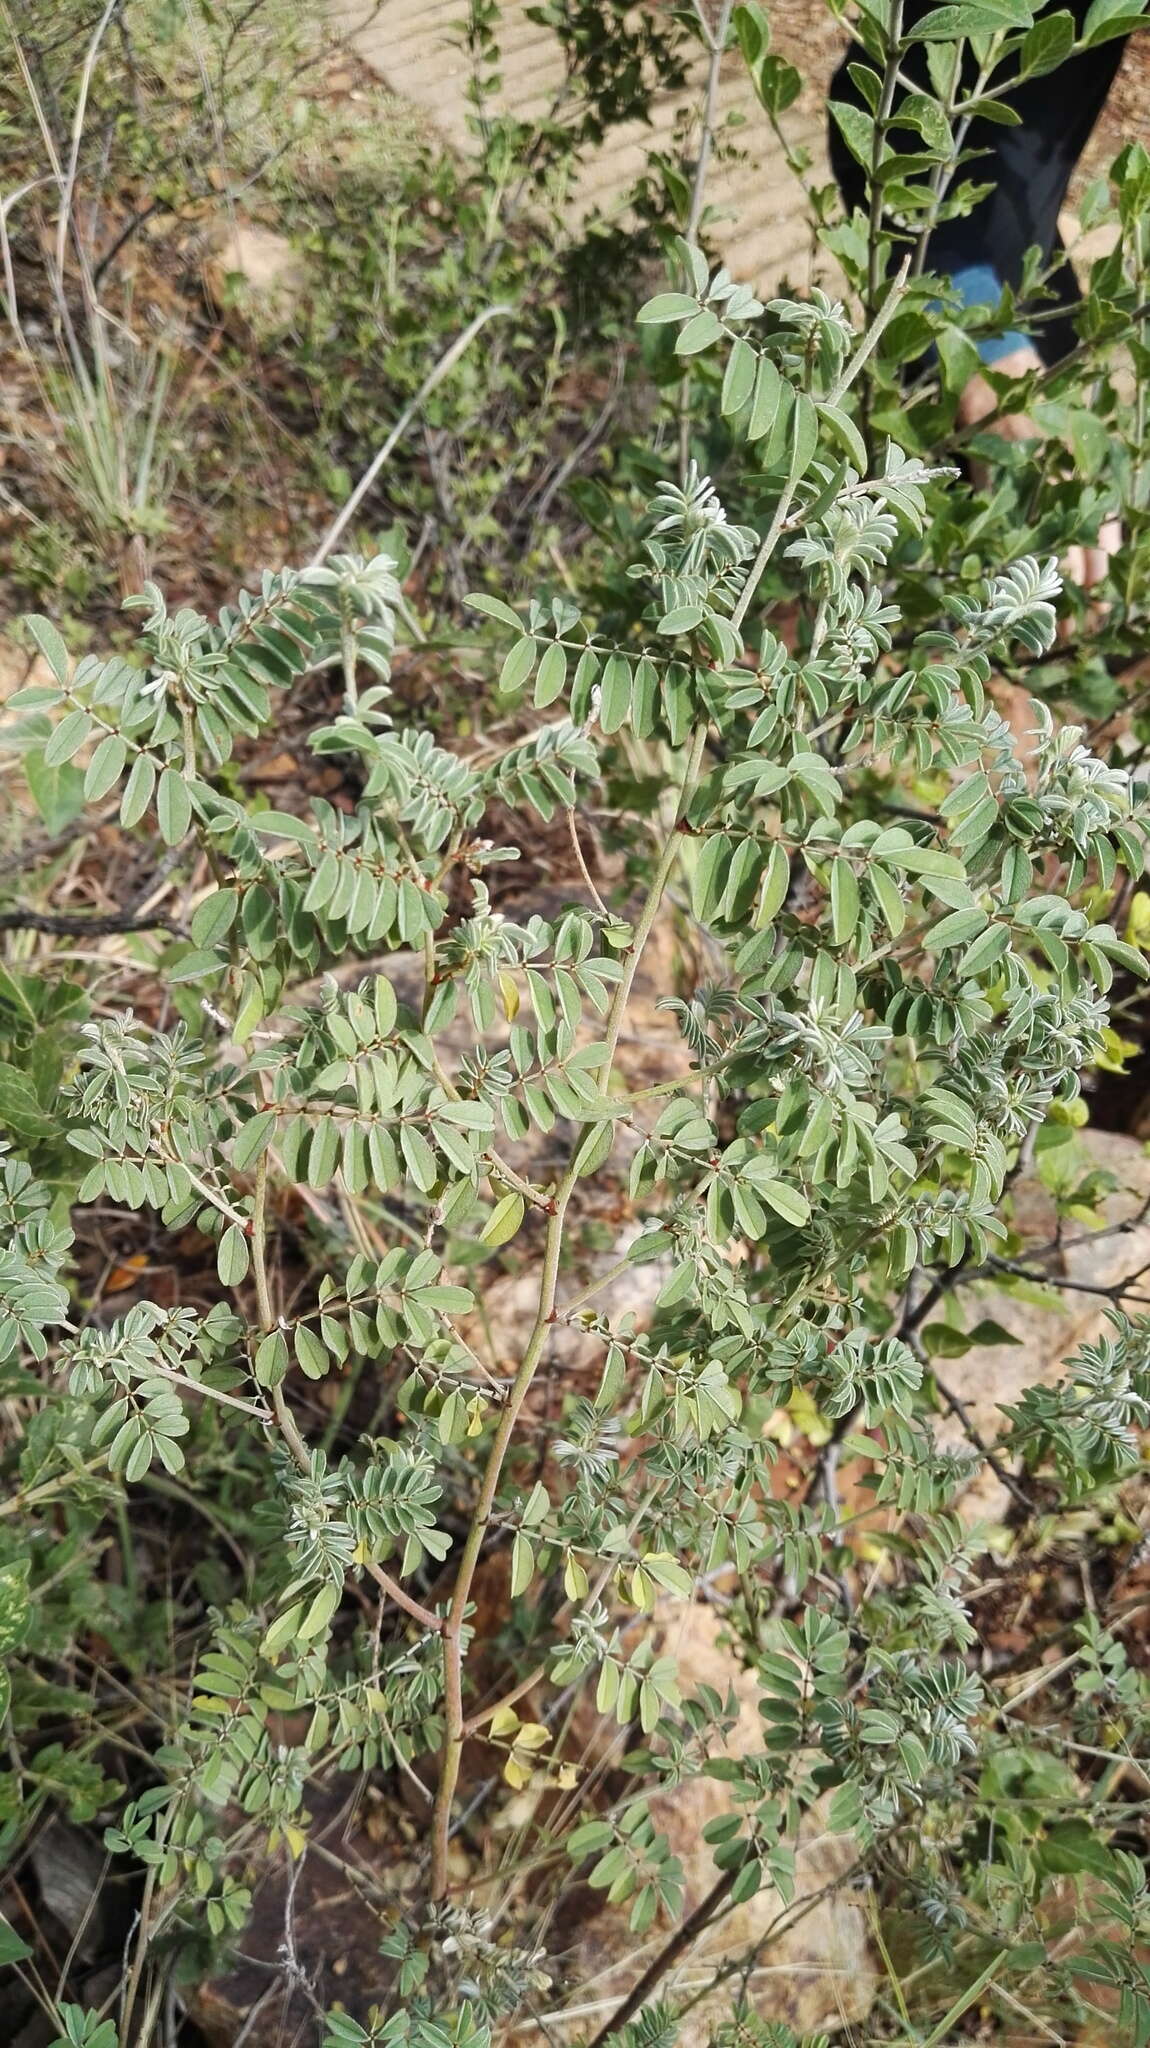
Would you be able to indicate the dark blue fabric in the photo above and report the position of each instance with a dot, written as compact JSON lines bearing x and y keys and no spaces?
{"x":1027,"y":168}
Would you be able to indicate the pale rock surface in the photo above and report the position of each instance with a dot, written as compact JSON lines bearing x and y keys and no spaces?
{"x":816,"y":1973}
{"x":272,"y":276}
{"x":574,"y":1351}
{"x":987,"y":1379}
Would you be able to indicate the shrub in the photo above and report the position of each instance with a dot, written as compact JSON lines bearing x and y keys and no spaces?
{"x":862,"y":1088}
{"x":331,"y":1068}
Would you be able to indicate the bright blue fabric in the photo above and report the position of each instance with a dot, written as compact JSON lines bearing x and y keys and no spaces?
{"x":980,"y":285}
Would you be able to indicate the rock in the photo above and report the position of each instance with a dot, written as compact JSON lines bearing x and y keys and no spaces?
{"x":574,"y":1353}
{"x":990,"y":1378}
{"x":817,"y":1972}
{"x":275,"y":768}
{"x":257,"y":271}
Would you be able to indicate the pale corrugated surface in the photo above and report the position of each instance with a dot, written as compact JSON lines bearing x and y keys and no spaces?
{"x":760,"y":220}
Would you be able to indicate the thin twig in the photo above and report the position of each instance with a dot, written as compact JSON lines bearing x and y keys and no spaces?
{"x":285,"y":1420}
{"x":717,"y":43}
{"x":454,"y":1721}
{"x":1036,"y":382}
{"x":64,"y":925}
{"x":683,"y":1939}
{"x":536,"y":504}
{"x":68,"y":186}
{"x":782,"y":1923}
{"x":423,"y":1615}
{"x":873,"y":335}
{"x":435,"y":376}
{"x":879,"y":134}
{"x":959,"y":1410}
{"x":584,"y":870}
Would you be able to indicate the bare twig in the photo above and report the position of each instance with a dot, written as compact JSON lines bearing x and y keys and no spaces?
{"x":782,"y":1923}
{"x":684,"y":1938}
{"x":68,"y":183}
{"x":285,"y":1421}
{"x":879,"y":133}
{"x":573,"y":829}
{"x":433,"y":379}
{"x":423,"y":1615}
{"x":536,"y":506}
{"x":63,"y":924}
{"x":873,"y":335}
{"x":43,"y":847}
{"x":716,"y":39}
{"x":974,"y":1436}
{"x":454,"y":1722}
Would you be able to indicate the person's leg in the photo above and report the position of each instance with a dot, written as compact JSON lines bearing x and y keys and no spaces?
{"x":1028,"y":168}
